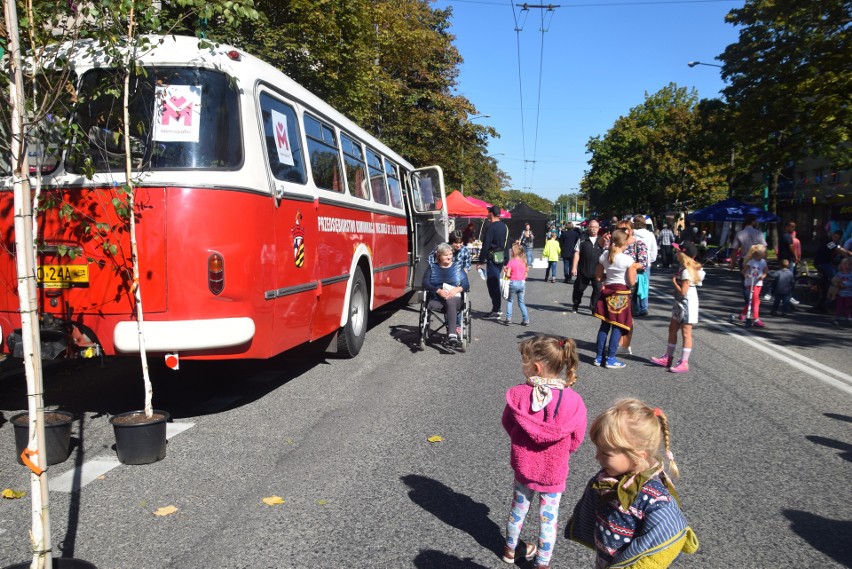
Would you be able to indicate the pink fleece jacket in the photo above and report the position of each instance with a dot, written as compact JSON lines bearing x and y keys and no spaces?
{"x":542,"y":442}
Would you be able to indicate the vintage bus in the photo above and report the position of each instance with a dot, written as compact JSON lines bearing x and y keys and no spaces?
{"x":265,"y":218}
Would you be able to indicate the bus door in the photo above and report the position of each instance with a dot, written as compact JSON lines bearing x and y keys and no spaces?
{"x":429,"y":221}
{"x":292,"y":292}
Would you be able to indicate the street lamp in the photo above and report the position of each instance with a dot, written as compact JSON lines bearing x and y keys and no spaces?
{"x":479,"y":117}
{"x":694,"y":63}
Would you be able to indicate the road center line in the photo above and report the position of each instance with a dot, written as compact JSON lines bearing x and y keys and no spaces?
{"x":74,"y":479}
{"x":820,"y":371}
{"x":843,"y":382}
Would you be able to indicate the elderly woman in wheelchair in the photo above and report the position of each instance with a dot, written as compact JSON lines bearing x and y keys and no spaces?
{"x":445,"y":283}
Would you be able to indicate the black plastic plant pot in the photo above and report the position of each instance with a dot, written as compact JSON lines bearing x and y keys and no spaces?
{"x":59,"y":563}
{"x":57,"y":435}
{"x":138,"y":439}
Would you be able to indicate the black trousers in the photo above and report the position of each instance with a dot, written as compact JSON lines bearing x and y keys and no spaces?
{"x":667,"y":256}
{"x":580,"y":284}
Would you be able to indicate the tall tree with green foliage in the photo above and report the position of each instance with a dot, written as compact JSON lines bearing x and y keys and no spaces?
{"x":790,"y":83}
{"x":654,"y":158}
{"x":389,"y":65}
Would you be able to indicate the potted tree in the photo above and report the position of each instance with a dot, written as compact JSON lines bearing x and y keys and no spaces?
{"x":23,"y":115}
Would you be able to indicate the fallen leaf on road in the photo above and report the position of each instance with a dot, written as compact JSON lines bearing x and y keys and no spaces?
{"x":273,"y":500}
{"x":322,"y":502}
{"x":435,"y":439}
{"x":165,"y":511}
{"x":10,"y":494}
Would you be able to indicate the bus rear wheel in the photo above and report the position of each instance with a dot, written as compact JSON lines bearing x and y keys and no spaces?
{"x":351,"y":336}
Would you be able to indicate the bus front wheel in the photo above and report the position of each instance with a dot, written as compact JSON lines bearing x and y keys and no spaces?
{"x":351,"y":337}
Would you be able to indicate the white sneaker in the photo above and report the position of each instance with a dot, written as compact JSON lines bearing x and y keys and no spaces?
{"x":623,"y":350}
{"x":767,"y":297}
{"x":794,"y":302}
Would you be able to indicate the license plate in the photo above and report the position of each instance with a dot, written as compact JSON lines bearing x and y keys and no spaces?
{"x":62,"y":276}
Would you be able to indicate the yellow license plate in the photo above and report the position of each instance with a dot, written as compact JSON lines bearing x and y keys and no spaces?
{"x":62,"y":276}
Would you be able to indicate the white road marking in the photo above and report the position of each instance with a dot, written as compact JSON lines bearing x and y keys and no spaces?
{"x":822,"y":372}
{"x":74,"y":479}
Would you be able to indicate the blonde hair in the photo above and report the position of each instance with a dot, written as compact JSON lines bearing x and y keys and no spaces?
{"x":755,"y":249}
{"x":693,"y":266}
{"x":553,"y":354}
{"x":632,"y":427}
{"x":617,"y":239}
{"x":519,"y":253}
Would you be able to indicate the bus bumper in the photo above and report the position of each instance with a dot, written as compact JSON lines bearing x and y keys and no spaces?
{"x":184,"y":335}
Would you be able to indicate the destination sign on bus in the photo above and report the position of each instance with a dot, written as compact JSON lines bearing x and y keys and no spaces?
{"x":62,"y":276}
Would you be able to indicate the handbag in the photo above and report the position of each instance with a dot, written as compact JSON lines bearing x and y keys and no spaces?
{"x":504,"y":287}
{"x":499,"y":256}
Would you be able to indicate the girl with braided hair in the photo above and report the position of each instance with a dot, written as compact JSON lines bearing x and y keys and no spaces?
{"x":630,"y":513}
{"x":546,"y":422}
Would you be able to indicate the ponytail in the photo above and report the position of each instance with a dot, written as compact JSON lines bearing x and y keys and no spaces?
{"x":664,"y":429}
{"x":617,"y":240}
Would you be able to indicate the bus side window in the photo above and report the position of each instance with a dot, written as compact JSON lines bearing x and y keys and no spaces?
{"x":325,"y":159}
{"x":353,"y":164}
{"x":377,"y":178}
{"x":283,"y":141}
{"x":393,"y":183}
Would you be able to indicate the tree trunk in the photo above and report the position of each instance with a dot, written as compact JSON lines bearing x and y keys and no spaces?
{"x":131,"y":203}
{"x":27,"y":293}
{"x":773,"y":205}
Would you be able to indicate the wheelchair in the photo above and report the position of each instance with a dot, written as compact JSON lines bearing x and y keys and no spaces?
{"x":428,"y":314}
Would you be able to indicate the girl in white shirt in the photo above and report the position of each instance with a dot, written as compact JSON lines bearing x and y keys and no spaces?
{"x":613,"y":307}
{"x":685,"y":308}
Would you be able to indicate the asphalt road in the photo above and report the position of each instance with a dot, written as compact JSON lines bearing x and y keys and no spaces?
{"x":760,"y":429}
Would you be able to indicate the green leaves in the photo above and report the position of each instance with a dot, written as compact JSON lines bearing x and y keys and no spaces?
{"x":790,"y":81}
{"x":655,"y":157}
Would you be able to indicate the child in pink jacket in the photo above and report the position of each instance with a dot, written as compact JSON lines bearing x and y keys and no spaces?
{"x":546,"y":422}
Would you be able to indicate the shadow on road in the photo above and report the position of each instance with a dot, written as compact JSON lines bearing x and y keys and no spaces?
{"x":846,"y":448}
{"x":198,"y":388}
{"x":431,"y":559}
{"x":456,"y":510}
{"x":823,"y":534}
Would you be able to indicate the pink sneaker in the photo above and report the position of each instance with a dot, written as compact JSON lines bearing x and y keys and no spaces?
{"x":681,"y":367}
{"x":742,"y":317}
{"x":759,"y":324}
{"x":664,"y":361}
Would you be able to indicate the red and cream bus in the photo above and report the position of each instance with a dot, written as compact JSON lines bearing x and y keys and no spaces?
{"x":265,"y":218}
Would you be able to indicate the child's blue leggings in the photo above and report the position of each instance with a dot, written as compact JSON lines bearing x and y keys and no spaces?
{"x":548,"y":515}
{"x":614,"y":337}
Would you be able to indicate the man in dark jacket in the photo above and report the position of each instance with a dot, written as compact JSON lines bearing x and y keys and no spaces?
{"x":496,"y":240}
{"x":587,"y":254}
{"x":567,"y":243}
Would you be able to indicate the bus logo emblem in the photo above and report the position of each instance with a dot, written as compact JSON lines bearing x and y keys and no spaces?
{"x":298,"y":233}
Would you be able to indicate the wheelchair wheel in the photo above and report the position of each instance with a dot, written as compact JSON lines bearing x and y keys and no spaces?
{"x":424,"y":326}
{"x":467,"y":332}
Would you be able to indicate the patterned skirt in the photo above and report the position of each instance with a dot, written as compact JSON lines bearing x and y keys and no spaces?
{"x":613,"y":306}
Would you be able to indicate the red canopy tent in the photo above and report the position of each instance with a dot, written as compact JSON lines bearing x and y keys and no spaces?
{"x":459,"y":206}
{"x":503,"y":213}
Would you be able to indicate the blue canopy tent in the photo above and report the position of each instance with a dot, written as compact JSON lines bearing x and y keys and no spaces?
{"x":731,"y":210}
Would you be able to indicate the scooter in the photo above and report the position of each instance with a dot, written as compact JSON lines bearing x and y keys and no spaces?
{"x":749,"y":320}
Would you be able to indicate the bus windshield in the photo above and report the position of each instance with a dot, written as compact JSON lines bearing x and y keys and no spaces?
{"x":179,"y":118}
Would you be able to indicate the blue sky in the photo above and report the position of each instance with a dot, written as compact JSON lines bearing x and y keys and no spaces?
{"x":599,"y":59}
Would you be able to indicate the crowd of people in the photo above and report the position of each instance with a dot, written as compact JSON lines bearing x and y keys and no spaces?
{"x":629,"y":512}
